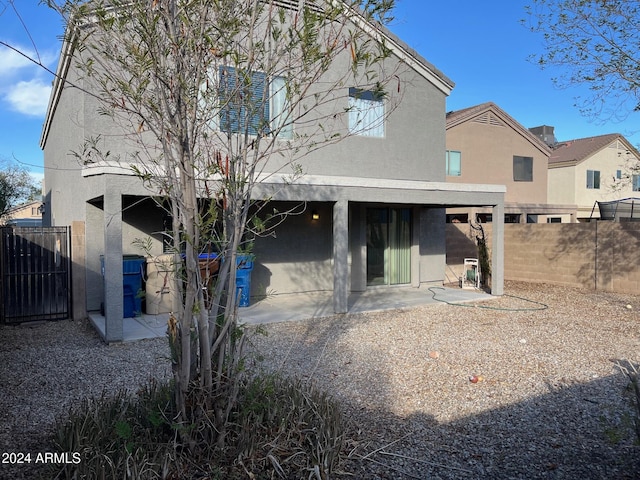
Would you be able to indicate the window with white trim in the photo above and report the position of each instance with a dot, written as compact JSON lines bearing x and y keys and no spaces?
{"x":635,"y":183}
{"x":366,"y":113}
{"x":453,"y":163}
{"x":250,"y":102}
{"x":593,"y":179}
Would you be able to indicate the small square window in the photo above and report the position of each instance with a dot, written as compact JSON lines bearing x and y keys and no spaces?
{"x":366,"y":113}
{"x":522,"y":169}
{"x":453,"y":163}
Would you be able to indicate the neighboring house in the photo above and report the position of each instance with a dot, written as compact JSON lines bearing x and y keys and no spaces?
{"x":375,"y":204}
{"x":587,"y":170}
{"x":486,"y":145}
{"x":26,"y":215}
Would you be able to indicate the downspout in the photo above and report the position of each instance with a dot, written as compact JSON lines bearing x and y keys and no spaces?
{"x":595,"y":269}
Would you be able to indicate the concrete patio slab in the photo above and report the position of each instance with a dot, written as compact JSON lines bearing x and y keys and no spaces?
{"x":304,"y":306}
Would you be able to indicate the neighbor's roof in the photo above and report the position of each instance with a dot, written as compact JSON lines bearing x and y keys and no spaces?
{"x":572,"y":152}
{"x":492,"y":114}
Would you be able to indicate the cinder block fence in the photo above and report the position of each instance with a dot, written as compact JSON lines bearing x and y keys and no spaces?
{"x":602,"y":256}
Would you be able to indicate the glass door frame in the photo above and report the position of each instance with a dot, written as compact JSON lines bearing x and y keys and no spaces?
{"x":389,"y":254}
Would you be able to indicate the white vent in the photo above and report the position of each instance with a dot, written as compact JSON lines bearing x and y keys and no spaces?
{"x":488,"y":118}
{"x":617,"y":145}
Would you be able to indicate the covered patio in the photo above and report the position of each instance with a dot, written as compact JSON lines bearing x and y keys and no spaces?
{"x":346,"y":267}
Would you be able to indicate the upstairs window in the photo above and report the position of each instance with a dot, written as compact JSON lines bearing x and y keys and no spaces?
{"x":250,"y":102}
{"x":366,"y":113}
{"x":635,"y":183}
{"x":522,"y":169}
{"x":453,"y":163}
{"x":243,"y":102}
{"x":593,"y":179}
{"x":280,"y":108}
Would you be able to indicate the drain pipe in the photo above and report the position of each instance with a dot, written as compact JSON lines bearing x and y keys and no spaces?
{"x":595,"y":267}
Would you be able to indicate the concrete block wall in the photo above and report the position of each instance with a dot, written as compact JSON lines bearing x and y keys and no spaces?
{"x":618,"y":257}
{"x":551,"y":253}
{"x":598,"y":255}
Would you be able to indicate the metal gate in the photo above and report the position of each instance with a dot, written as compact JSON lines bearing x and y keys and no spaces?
{"x":34,"y":273}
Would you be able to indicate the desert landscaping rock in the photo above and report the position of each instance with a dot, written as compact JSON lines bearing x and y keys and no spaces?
{"x":551,"y":403}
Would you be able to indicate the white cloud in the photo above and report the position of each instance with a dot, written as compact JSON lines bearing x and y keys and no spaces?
{"x":21,"y":85}
{"x":29,"y":97}
{"x":11,"y":61}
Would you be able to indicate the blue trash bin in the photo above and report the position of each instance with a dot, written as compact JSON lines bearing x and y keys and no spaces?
{"x":132,"y":274}
{"x":244,"y":265}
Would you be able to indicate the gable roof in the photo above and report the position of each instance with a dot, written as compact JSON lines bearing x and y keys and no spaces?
{"x":492,"y":114}
{"x":378,"y":31}
{"x":573,"y":152}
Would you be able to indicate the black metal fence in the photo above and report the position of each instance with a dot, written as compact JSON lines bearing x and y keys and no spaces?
{"x":34,"y":273}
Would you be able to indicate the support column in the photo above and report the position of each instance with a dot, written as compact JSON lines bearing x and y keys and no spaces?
{"x":415,"y":247}
{"x":341,"y":256}
{"x":433,"y":252}
{"x":113,"y":291}
{"x":358,"y":240}
{"x":497,"y":248}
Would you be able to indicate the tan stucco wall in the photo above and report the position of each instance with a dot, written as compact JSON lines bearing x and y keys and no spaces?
{"x":562,"y":185}
{"x":569,"y":184}
{"x":487,"y":157}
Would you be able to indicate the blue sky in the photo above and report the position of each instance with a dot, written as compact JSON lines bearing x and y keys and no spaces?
{"x":481,"y":46}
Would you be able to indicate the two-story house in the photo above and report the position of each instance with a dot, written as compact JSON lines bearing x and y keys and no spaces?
{"x":374,"y":203}
{"x":28,"y":214}
{"x":486,"y":145}
{"x":594,"y":169}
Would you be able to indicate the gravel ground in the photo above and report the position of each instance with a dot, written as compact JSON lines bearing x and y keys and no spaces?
{"x":550,"y":402}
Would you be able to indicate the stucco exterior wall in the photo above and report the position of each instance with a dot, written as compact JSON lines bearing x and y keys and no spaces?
{"x":487,"y":152}
{"x":297,"y":256}
{"x":568,"y":184}
{"x":607,"y":161}
{"x":562,"y":185}
{"x":65,"y":191}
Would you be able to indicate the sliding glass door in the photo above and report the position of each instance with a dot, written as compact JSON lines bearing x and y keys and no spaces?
{"x":388,"y":246}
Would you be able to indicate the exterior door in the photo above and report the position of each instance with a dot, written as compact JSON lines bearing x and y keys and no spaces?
{"x":388,"y":246}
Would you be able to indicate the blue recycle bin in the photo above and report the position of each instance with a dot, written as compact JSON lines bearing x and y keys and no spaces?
{"x":132,"y":274}
{"x":244,"y":265}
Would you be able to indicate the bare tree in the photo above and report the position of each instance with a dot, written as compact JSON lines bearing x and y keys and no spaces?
{"x":594,"y":43}
{"x":16,"y":186}
{"x":210,"y":98}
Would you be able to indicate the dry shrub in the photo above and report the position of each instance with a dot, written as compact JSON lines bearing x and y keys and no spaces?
{"x":282,"y":428}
